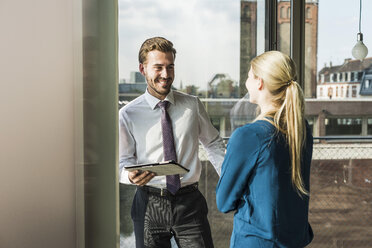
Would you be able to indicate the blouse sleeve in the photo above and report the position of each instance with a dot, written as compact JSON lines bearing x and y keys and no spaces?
{"x":240,"y":160}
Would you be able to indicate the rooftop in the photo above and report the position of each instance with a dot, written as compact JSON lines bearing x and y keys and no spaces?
{"x":349,"y":65}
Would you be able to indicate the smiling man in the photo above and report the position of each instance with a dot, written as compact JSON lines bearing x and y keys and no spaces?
{"x":161,"y":125}
{"x":159,"y":72}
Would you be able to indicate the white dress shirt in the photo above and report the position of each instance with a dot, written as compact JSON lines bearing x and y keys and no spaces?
{"x":140,"y":136}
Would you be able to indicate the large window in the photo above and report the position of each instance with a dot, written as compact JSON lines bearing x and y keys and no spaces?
{"x":215,"y":41}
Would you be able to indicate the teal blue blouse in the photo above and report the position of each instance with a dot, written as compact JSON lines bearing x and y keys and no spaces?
{"x":256,"y":183}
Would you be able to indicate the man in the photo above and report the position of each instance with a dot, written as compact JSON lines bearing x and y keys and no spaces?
{"x":160,"y":125}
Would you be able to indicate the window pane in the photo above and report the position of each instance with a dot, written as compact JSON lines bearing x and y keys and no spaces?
{"x":331,"y":74}
{"x":370,"y":126}
{"x":344,"y":126}
{"x":284,"y":26}
{"x":215,"y":41}
{"x":311,"y":42}
{"x":340,"y":168}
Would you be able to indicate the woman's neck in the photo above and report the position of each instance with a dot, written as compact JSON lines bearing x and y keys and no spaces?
{"x":267,"y":108}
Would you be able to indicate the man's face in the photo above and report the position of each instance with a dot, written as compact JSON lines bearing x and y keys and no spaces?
{"x":158,"y":70}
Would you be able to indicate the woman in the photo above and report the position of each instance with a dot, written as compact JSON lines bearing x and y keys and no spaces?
{"x":265,"y":174}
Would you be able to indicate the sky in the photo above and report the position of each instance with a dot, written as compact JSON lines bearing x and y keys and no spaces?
{"x":338,"y":28}
{"x":206,"y":34}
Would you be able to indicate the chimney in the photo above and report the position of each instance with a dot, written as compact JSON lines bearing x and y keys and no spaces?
{"x":330,"y":64}
{"x":347,"y":60}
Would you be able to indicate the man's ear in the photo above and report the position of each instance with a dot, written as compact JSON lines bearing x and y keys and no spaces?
{"x":142,"y":69}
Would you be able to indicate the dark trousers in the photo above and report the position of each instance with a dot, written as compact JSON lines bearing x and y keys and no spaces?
{"x":157,"y":217}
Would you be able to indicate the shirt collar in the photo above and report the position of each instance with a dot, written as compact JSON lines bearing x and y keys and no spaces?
{"x":153,"y":101}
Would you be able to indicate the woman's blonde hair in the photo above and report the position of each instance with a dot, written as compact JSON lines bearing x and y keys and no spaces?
{"x":278,"y":73}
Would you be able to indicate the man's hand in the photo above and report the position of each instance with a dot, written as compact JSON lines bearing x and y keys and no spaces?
{"x":140,"y":178}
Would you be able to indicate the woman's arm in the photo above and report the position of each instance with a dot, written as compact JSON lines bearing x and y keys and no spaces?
{"x":240,"y":160}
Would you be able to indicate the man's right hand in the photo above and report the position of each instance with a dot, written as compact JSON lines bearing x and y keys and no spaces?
{"x":140,"y":178}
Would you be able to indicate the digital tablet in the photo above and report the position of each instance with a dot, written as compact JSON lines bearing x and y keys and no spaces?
{"x":160,"y":169}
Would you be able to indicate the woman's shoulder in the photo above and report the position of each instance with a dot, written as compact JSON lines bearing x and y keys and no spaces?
{"x":260,"y":127}
{"x":254,"y":130}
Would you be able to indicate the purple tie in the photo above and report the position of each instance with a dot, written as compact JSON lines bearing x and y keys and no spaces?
{"x":173,"y":181}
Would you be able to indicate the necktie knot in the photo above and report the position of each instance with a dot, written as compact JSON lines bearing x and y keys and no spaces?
{"x":163,"y":105}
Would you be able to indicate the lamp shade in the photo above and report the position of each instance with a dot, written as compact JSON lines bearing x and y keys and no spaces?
{"x":359,"y":51}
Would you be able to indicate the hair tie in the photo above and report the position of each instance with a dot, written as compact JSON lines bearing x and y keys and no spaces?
{"x":289,"y":82}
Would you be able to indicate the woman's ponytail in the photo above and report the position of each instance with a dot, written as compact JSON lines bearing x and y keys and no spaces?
{"x":295,"y":131}
{"x":278,"y":72}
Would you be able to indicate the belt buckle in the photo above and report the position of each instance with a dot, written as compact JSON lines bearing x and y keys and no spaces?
{"x":162,"y":192}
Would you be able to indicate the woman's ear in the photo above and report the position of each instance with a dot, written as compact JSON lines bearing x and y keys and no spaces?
{"x":260,"y":83}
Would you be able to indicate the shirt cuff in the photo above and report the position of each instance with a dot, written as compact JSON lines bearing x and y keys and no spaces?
{"x":123,"y":177}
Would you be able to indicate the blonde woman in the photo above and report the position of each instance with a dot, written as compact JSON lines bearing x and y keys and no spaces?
{"x":265,"y":174}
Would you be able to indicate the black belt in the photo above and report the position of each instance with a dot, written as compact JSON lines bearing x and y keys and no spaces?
{"x":165,"y":192}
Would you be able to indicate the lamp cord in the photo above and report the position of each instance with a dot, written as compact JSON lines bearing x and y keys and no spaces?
{"x":360,"y":16}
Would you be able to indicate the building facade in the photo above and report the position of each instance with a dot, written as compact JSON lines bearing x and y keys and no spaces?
{"x":351,"y":80}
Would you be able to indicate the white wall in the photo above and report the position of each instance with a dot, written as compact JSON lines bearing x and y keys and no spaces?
{"x":37,"y":176}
